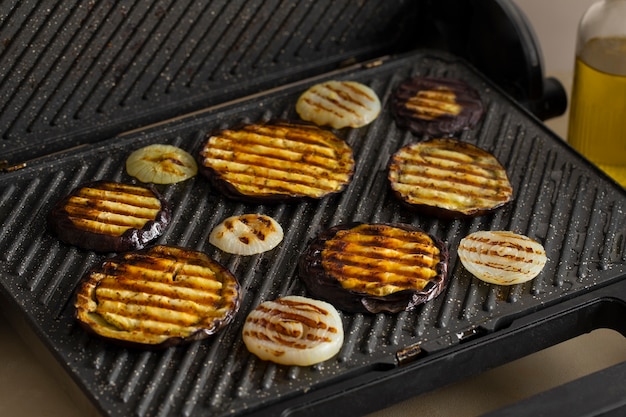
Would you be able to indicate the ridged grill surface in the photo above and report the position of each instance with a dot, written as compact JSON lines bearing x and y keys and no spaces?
{"x":559,"y":200}
{"x":75,"y":67}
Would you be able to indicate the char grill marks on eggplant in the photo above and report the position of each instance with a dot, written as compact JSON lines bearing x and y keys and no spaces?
{"x":276,"y":162}
{"x":449,"y":178}
{"x":110,"y":217}
{"x":436,"y":106}
{"x":375,"y":267}
{"x":157,"y":297}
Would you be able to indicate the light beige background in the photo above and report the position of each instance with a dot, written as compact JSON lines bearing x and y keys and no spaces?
{"x":32,"y":384}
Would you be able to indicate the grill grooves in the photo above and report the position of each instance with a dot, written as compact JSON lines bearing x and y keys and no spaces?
{"x":37,"y":210}
{"x":61,"y":71}
{"x":284,"y":23}
{"x":222,"y":29}
{"x":42,"y":91}
{"x":134,"y":33}
{"x":55,"y":281}
{"x":194,"y":58}
{"x":256,"y":49}
{"x":16,"y":218}
{"x":146,"y":42}
{"x":15,"y":81}
{"x":138,"y":371}
{"x":181,"y":43}
{"x":247,"y":33}
{"x":82,"y":62}
{"x":94,"y":42}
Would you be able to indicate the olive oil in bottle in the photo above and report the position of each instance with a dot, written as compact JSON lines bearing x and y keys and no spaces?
{"x":597,"y":125}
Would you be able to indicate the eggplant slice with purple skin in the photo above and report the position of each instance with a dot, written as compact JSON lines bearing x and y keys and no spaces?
{"x":372,"y":268}
{"x":448,"y":178}
{"x":277,"y":161}
{"x":436,"y":106}
{"x":108,"y":216}
{"x":156,"y":298}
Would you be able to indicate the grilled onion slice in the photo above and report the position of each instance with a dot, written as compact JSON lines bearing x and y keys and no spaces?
{"x":436,"y":106}
{"x":110,"y":217}
{"x":294,"y":330}
{"x":375,"y":267}
{"x":276,"y":162}
{"x":158,"y":297}
{"x":247,"y":234}
{"x":449,"y":178}
{"x":502,"y":257}
{"x":161,"y":164}
{"x":339,"y":104}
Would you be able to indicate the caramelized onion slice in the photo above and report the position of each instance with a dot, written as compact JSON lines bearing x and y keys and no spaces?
{"x":161,"y":164}
{"x":502,"y":257}
{"x":294,"y":330}
{"x":247,"y":234}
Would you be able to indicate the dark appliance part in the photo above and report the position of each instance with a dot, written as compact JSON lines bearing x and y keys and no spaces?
{"x":498,"y":39}
{"x":560,"y":200}
{"x":78,"y":72}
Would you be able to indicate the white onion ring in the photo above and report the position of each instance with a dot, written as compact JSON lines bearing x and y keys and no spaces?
{"x":247,"y":234}
{"x":339,"y":104}
{"x":502,"y":257}
{"x":294,"y":330}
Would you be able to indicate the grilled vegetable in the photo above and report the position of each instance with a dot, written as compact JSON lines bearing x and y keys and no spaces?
{"x":449,"y":178}
{"x":110,"y":217}
{"x":277,"y":162}
{"x":375,"y":267}
{"x":294,"y":330}
{"x":339,"y":104}
{"x":436,"y":106}
{"x":247,"y":234}
{"x":158,"y":297}
{"x":161,"y":164}
{"x":502,"y":257}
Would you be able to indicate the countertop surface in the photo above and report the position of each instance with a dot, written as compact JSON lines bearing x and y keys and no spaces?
{"x":33,"y":384}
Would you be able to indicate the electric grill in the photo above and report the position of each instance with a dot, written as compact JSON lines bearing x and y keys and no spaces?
{"x":83,"y":84}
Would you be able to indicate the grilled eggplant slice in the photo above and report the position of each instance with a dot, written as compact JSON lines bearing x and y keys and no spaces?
{"x":276,"y":162}
{"x":157,"y":297}
{"x":339,"y":104}
{"x":110,"y":217}
{"x":375,"y":268}
{"x":294,"y":330}
{"x":436,"y":106}
{"x":448,"y":178}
